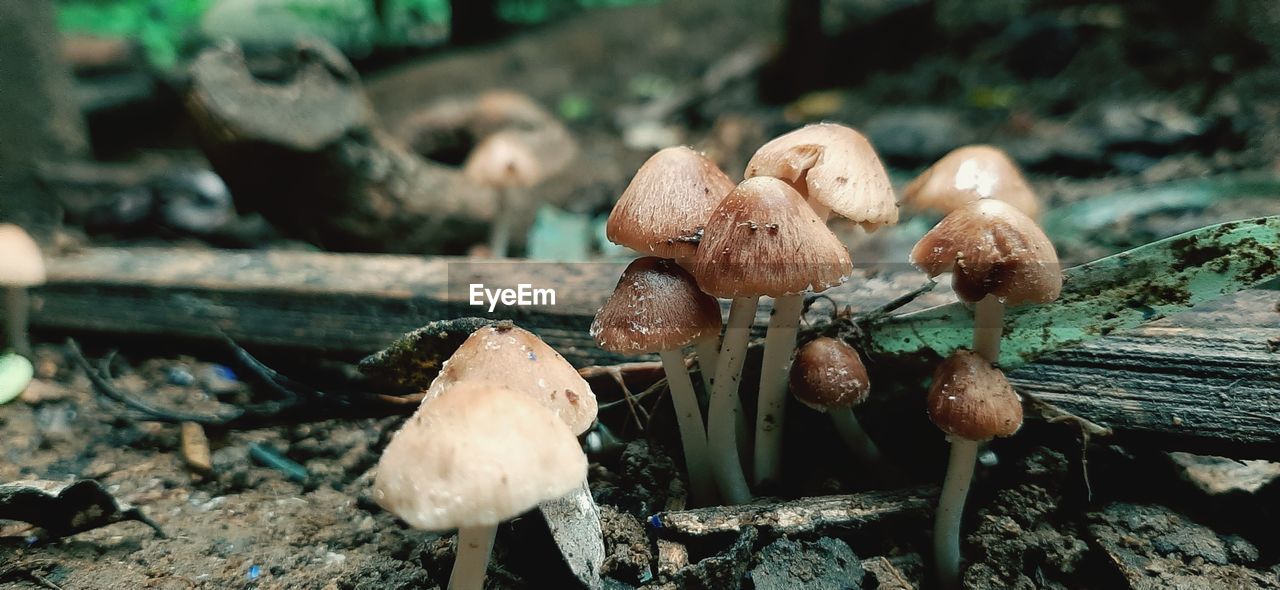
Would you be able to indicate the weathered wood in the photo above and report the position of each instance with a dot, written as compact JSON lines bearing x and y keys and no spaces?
{"x":1206,"y":380}
{"x":806,"y":515}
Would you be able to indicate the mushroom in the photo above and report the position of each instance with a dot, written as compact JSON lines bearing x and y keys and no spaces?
{"x":997,"y":256}
{"x":762,"y":239}
{"x":837,"y":171}
{"x":505,"y":162}
{"x":828,"y":376}
{"x":20,"y":267}
{"x":657,"y":307}
{"x":971,"y":401}
{"x":470,"y":458}
{"x":967,"y":174}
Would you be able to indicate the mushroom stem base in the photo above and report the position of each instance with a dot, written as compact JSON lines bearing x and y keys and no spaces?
{"x":15,"y":320}
{"x":708,"y":351}
{"x":775,"y":367}
{"x":472,"y":561}
{"x":500,"y":232}
{"x":722,"y":418}
{"x":851,"y":432}
{"x":693,"y":436}
{"x":946,"y":528}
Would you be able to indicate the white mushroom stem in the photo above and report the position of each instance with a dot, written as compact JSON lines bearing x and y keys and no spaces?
{"x":472,"y":561}
{"x":946,"y":527}
{"x":850,"y":430}
{"x":708,"y":351}
{"x":693,"y":436}
{"x":775,"y":367}
{"x":726,"y":464}
{"x":16,"y":308}
{"x":500,"y":232}
{"x":988,"y":327}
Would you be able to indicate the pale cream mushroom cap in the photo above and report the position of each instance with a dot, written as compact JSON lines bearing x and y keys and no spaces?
{"x":477,"y":455}
{"x":503,"y":160}
{"x":21,"y":264}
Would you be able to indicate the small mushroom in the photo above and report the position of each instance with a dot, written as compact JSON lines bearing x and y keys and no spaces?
{"x":472,"y":457}
{"x":828,"y":376}
{"x":657,"y":307}
{"x":505,"y":162}
{"x":762,"y":239}
{"x":971,"y":401}
{"x":21,"y":267}
{"x":967,"y":174}
{"x":663,"y":210}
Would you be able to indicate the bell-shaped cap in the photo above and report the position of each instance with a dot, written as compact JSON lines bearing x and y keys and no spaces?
{"x":971,"y":399}
{"x":503,"y":160}
{"x":21,"y":264}
{"x":477,"y":455}
{"x":828,"y":373}
{"x":519,"y":360}
{"x":763,"y":239}
{"x":832,"y":165}
{"x":667,"y":204}
{"x":968,"y":174}
{"x":991,"y":248}
{"x":655,"y":307}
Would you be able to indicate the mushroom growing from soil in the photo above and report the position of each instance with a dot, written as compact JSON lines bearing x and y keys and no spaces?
{"x":971,"y":401}
{"x":21,"y":267}
{"x":828,"y":376}
{"x":967,"y":174}
{"x":506,"y":163}
{"x":762,"y":239}
{"x":472,"y":457}
{"x":836,"y":170}
{"x":657,"y":307}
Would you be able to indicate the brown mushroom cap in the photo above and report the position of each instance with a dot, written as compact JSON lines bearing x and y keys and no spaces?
{"x":655,"y":307}
{"x":828,"y":373}
{"x":833,"y":165}
{"x":968,"y":174}
{"x":971,"y":399}
{"x":21,"y":265}
{"x":992,"y":249}
{"x":517,"y":359}
{"x":477,"y":455}
{"x":667,"y":203}
{"x":503,"y":160}
{"x":763,"y":239}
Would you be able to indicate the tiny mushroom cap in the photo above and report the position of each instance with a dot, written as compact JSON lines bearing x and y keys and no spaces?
{"x":503,"y":160}
{"x":666,"y":205}
{"x":835,"y":166}
{"x":21,"y":265}
{"x":828,"y":373}
{"x":517,"y":359}
{"x":991,"y":248}
{"x":968,"y":174}
{"x":655,"y":307}
{"x":477,"y":455}
{"x":763,"y":239}
{"x":971,"y":399}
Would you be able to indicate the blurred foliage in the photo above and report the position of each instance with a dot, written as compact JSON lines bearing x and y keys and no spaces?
{"x":528,"y":12}
{"x":162,"y":27}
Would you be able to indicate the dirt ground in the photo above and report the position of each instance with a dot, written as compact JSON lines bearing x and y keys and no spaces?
{"x":1091,"y":98}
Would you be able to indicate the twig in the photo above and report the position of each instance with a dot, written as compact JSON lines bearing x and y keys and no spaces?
{"x":798,"y":516}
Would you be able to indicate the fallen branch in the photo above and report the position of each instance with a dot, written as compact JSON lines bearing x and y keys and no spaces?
{"x":805,"y":515}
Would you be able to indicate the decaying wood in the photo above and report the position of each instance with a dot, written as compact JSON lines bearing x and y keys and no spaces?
{"x":1201,"y":381}
{"x":309,"y":155}
{"x":806,"y":515}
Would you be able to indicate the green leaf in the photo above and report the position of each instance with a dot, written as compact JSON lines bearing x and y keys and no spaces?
{"x":15,"y":375}
{"x":1115,"y":293}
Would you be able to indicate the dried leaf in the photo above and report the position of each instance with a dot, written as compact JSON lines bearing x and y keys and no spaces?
{"x":63,"y":509}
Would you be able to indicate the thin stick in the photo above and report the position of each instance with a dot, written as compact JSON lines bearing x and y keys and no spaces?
{"x":721,"y":428}
{"x":693,"y":436}
{"x":771,"y":408}
{"x":946,"y":527}
{"x":988,"y":327}
{"x":472,"y":561}
{"x":16,"y":308}
{"x":850,"y":430}
{"x":500,"y":232}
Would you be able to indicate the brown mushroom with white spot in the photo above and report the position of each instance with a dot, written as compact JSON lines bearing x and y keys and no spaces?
{"x":828,"y":376}
{"x":21,"y":267}
{"x":967,"y":174}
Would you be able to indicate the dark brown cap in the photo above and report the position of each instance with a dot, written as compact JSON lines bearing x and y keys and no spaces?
{"x":835,"y":166}
{"x":763,"y":239}
{"x":655,"y":307}
{"x":828,"y":373}
{"x":971,"y":399}
{"x":992,"y":249}
{"x":967,"y":174}
{"x":667,"y":203}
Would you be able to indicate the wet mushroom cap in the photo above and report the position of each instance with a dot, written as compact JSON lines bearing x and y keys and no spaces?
{"x":655,"y":307}
{"x":667,"y":203}
{"x":21,"y":265}
{"x":828,"y":373}
{"x":971,"y":399}
{"x":503,"y":160}
{"x":517,"y":359}
{"x":968,"y":174}
{"x":991,"y":248}
{"x":476,"y":455}
{"x":835,"y":166}
{"x":763,"y":239}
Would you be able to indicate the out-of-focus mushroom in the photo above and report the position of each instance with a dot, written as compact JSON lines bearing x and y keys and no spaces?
{"x":967,"y":174}
{"x":664,"y":209}
{"x":472,"y":457}
{"x":21,"y":266}
{"x":506,"y":163}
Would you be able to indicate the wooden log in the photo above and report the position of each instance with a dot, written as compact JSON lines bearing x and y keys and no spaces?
{"x":1203,"y":381}
{"x":806,"y":515}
